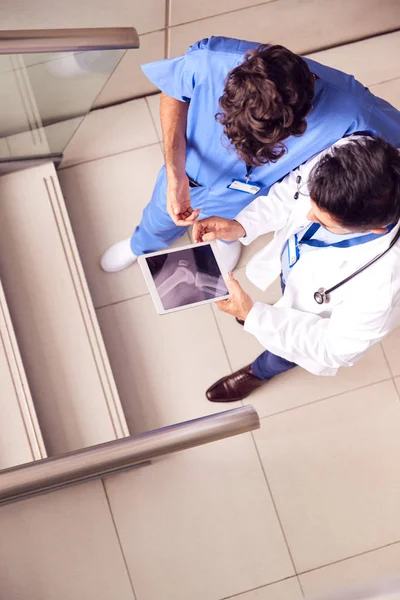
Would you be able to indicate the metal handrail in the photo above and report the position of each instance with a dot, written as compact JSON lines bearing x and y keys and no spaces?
{"x":96,"y":461}
{"x":27,"y":41}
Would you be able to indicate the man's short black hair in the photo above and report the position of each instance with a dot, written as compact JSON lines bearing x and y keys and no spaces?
{"x":358,"y":184}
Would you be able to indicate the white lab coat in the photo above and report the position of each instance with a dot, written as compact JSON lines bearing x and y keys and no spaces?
{"x":319,"y":338}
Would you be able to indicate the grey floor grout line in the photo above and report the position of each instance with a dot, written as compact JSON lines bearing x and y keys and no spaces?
{"x":372,"y":85}
{"x":155,"y":92}
{"x":274,"y":504}
{"x":300,"y":586}
{"x":397,"y":389}
{"x":91,"y":160}
{"x":159,"y":30}
{"x":300,"y":573}
{"x":387,"y":360}
{"x":342,"y":560}
{"x":361,"y":387}
{"x":259,"y":587}
{"x":310,"y":51}
{"x":119,"y":539}
{"x":222,"y":338}
{"x":167,"y":35}
{"x":121,"y":301}
{"x":349,"y":42}
{"x":227,"y":12}
{"x":152,"y":119}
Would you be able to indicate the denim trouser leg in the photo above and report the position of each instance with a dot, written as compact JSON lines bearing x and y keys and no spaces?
{"x":267,"y":365}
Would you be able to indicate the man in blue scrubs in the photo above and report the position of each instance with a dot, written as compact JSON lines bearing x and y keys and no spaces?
{"x":237,"y":117}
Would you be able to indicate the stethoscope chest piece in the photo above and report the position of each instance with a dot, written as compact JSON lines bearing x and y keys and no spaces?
{"x":321,"y":297}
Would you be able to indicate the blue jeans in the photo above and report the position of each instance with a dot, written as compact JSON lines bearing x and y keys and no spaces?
{"x":267,"y":365}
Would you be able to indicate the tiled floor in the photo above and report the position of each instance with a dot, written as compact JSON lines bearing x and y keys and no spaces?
{"x":307,"y":504}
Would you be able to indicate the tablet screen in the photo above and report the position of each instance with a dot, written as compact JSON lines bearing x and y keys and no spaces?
{"x":187,"y":276}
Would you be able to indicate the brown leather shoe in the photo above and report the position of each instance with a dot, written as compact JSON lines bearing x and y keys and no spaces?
{"x":234,"y":387}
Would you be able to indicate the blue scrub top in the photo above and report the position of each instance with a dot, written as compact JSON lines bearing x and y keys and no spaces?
{"x":341,"y":106}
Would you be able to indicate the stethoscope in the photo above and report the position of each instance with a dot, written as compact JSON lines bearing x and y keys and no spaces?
{"x":323,"y":296}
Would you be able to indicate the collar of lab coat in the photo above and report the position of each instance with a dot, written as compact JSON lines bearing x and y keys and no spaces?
{"x":265,"y":266}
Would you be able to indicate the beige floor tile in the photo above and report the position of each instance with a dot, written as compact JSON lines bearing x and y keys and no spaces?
{"x":4,"y":151}
{"x":105,"y":199}
{"x":183,"y":11}
{"x":391,"y":348}
{"x":145,"y":16}
{"x":62,"y":545}
{"x":373,"y":567}
{"x":370,"y":61}
{"x":290,"y":23}
{"x":333,"y":472}
{"x":397,"y":382}
{"x":5,"y":64}
{"x":162,"y":364}
{"x":296,"y":387}
{"x":284,"y":590}
{"x":154,"y":106}
{"x":389,"y":91}
{"x":128,"y":81}
{"x":199,"y":524}
{"x":111,"y":130}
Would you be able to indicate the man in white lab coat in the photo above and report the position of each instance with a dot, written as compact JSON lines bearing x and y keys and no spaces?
{"x":332,"y":215}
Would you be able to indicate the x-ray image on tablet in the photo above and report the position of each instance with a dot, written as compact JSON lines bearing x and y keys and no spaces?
{"x":184,"y":277}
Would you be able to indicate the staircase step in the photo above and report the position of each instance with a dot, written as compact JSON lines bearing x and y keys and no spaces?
{"x":55,"y":323}
{"x":20,"y":437}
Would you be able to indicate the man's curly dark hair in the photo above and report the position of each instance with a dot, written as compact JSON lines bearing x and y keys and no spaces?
{"x":266,"y":100}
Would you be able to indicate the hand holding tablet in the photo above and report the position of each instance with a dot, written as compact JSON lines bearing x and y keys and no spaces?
{"x":184,"y":277}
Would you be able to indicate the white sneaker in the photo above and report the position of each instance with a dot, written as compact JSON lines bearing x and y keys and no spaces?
{"x":230,"y":253}
{"x":118,"y":257}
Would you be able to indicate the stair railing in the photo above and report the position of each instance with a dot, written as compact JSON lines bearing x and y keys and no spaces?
{"x":50,"y":474}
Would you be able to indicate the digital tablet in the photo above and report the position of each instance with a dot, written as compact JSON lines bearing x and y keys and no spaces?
{"x":184,"y":277}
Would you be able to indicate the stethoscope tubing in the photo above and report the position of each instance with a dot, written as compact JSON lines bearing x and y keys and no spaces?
{"x":325,"y":294}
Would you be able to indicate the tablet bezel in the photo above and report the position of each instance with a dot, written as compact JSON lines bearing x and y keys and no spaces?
{"x":153,"y":288}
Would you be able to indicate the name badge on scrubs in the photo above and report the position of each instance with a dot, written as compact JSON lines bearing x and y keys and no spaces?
{"x":243,"y":186}
{"x":293,"y":250}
